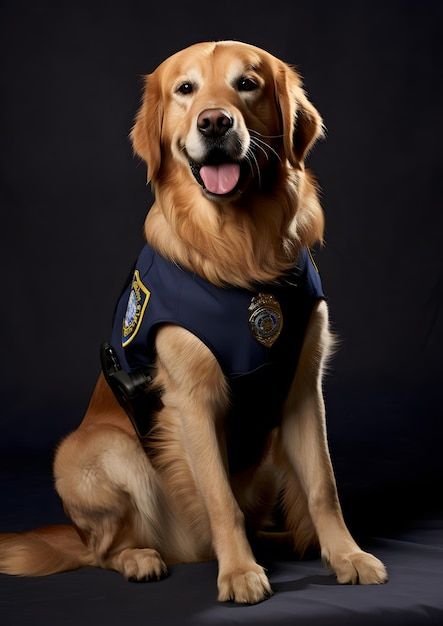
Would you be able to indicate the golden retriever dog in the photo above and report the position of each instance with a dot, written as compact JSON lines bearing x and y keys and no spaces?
{"x":224,"y":128}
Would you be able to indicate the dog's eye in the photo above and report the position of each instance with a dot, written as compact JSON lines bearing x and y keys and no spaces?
{"x":185,"y":88}
{"x":246,"y":84}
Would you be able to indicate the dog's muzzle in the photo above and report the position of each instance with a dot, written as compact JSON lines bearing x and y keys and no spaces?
{"x":219,"y":172}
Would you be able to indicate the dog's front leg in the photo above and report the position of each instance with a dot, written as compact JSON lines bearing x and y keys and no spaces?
{"x":303,"y":443}
{"x":195,"y":387}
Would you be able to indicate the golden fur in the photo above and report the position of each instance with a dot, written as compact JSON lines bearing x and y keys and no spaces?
{"x":136,"y":511}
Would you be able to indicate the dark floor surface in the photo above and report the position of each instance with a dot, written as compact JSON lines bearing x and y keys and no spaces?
{"x":305,"y":592}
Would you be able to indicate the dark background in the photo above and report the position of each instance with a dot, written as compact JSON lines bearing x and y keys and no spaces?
{"x":73,"y":201}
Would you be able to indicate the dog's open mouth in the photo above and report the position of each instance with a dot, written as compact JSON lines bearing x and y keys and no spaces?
{"x":218,"y":175}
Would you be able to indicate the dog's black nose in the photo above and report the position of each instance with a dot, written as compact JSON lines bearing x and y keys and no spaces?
{"x":214,"y":122}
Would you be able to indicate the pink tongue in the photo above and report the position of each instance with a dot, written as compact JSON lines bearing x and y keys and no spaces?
{"x":220,"y":178}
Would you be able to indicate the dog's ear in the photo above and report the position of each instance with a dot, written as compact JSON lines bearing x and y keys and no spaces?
{"x":146,"y":132}
{"x":302,"y":124}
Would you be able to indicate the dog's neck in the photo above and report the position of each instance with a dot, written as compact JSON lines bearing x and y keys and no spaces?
{"x":236,"y":244}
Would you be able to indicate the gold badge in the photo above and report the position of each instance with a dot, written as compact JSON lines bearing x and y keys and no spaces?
{"x":137,"y":302}
{"x":266,"y":319}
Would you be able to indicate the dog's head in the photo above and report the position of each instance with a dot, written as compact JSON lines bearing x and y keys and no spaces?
{"x":225,"y":114}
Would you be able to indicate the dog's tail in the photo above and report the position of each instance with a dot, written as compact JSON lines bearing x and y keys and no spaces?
{"x":43,"y":551}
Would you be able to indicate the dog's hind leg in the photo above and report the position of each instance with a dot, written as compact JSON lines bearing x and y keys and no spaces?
{"x":296,"y":511}
{"x":109,"y":491}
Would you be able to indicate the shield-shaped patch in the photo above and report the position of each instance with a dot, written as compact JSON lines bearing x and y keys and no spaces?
{"x":137,"y":303}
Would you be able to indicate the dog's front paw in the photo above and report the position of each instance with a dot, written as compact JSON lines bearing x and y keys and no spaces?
{"x":247,"y":585}
{"x":359,"y":567}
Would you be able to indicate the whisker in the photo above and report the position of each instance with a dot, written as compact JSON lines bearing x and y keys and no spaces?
{"x":254,"y":143}
{"x":255,"y":139}
{"x":251,"y":130}
{"x":249,"y":163}
{"x":256,"y":164}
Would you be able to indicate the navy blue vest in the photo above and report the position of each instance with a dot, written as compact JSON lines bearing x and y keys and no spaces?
{"x":259,"y":375}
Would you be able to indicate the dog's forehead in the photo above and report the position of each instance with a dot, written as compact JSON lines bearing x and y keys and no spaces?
{"x":217,"y":60}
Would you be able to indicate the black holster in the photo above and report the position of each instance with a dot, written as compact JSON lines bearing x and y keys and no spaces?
{"x":134,"y":390}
